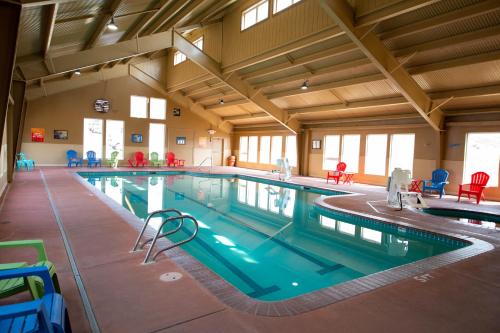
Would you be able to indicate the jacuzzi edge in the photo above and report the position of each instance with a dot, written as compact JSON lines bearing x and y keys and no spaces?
{"x":231,"y":296}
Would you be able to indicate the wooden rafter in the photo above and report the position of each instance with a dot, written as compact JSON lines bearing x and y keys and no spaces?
{"x":102,"y":24}
{"x":146,"y":19}
{"x":48,"y":27}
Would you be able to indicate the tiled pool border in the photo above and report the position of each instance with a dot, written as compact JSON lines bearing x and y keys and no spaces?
{"x":234,"y":298}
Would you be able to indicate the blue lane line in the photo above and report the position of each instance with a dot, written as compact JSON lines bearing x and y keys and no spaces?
{"x":94,"y":327}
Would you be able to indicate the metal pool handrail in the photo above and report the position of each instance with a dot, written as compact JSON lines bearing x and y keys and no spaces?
{"x":162,"y":211}
{"x":158,"y":235}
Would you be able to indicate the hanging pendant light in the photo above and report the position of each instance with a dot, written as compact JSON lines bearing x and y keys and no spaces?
{"x":111,"y":25}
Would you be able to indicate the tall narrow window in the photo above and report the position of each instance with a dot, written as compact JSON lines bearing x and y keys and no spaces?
{"x":376,"y":153}
{"x":401,"y":156}
{"x":350,"y":152}
{"x":291,"y":150}
{"x":157,"y":139}
{"x":331,"y":152}
{"x":253,"y":15}
{"x":138,"y":106}
{"x":199,"y":43}
{"x":114,"y":138}
{"x":157,"y":108}
{"x":279,"y":5}
{"x":265,"y":149}
{"x":179,"y":57}
{"x":92,"y":136}
{"x":482,"y":153}
{"x":276,"y":148}
{"x":253,"y":142}
{"x":244,"y":148}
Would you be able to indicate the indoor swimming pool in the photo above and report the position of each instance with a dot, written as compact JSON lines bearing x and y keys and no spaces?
{"x":269,"y":239}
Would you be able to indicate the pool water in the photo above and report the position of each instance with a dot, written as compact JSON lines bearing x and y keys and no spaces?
{"x":270,"y":241}
{"x":487,"y":220}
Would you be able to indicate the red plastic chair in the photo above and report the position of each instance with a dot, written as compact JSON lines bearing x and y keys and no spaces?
{"x":476,"y":186}
{"x":172,"y":161}
{"x":138,"y":160}
{"x":335,"y":175}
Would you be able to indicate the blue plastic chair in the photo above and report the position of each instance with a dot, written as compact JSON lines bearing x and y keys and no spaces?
{"x":437,"y":183}
{"x":72,"y":157}
{"x":92,"y":160}
{"x":48,"y":314}
{"x":21,"y":161}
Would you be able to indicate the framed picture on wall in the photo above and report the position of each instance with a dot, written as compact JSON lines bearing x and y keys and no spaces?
{"x":61,"y":134}
{"x":136,"y":138}
{"x":180,"y":140}
{"x":38,"y":134}
{"x":316,"y":144}
{"x":176,"y":112}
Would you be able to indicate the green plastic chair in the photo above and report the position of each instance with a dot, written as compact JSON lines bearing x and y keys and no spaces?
{"x":35,"y":286}
{"x":154,"y":161}
{"x":113,"y":161}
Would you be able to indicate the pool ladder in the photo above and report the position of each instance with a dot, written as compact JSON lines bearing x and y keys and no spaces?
{"x":138,"y":246}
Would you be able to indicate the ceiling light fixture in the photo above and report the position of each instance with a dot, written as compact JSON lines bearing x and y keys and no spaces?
{"x":305,"y":85}
{"x":78,"y":73}
{"x":112,"y":25}
{"x":221,"y":101}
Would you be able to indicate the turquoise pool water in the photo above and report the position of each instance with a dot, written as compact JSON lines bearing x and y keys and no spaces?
{"x":269,"y":241}
{"x":487,"y":220}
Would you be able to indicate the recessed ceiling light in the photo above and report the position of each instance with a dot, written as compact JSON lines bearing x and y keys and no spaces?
{"x":77,"y":72}
{"x":112,"y":25}
{"x":305,"y":85}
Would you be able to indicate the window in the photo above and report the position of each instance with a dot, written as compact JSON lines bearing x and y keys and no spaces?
{"x":346,"y":228}
{"x":253,"y":142}
{"x":251,"y":193}
{"x":401,"y":156}
{"x":291,"y":150}
{"x":244,"y":148}
{"x":253,"y":15}
{"x":371,"y":235}
{"x":265,"y":149}
{"x":242,"y":190}
{"x":350,"y":152}
{"x":482,"y":153}
{"x":157,"y":139}
{"x":276,"y":148}
{"x":331,"y":152}
{"x":179,"y":57}
{"x":138,"y":106}
{"x":279,"y":5}
{"x":199,"y":43}
{"x":327,"y":222}
{"x":376,"y":152}
{"x":114,"y":138}
{"x":157,"y":108}
{"x":92,"y":136}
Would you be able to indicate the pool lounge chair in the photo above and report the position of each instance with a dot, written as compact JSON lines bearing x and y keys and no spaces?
{"x":172,"y":161}
{"x":113,"y":161}
{"x":48,"y":314}
{"x":34,"y":285}
{"x":337,"y":173}
{"x":437,"y":183}
{"x":72,"y":157}
{"x":475,"y":187}
{"x":92,"y":160}
{"x":138,"y":160}
{"x":154,"y":160}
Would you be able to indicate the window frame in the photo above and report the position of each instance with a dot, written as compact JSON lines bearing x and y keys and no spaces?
{"x":162,"y":154}
{"x":325,"y":149}
{"x":266,"y":153}
{"x":385,"y":157}
{"x":275,"y":2}
{"x":146,"y":108}
{"x":121,"y":153}
{"x":391,"y":163}
{"x":342,"y":153}
{"x":182,"y":56}
{"x":296,"y":155}
{"x":197,"y":40}
{"x":249,"y":9}
{"x":253,"y":151}
{"x":243,"y":138}
{"x":150,"y":108}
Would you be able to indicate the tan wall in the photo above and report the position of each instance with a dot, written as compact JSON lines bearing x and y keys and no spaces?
{"x":66,"y":111}
{"x":308,"y":18}
{"x":3,"y":161}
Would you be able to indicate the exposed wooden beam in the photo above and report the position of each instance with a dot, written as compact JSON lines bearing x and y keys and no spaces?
{"x":190,"y":82}
{"x":229,"y":104}
{"x":440,"y":20}
{"x":137,"y":28}
{"x":395,"y":9}
{"x":33,"y":68}
{"x":341,"y":12}
{"x":206,"y":88}
{"x":218,"y":96}
{"x":351,"y":105}
{"x":167,"y":15}
{"x":102,"y":24}
{"x":236,"y":83}
{"x":244,"y":117}
{"x":48,"y":27}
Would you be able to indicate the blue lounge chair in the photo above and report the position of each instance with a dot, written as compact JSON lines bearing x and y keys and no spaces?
{"x":437,"y":183}
{"x":72,"y":157}
{"x":48,"y":314}
{"x":92,"y":160}
{"x":21,"y":162}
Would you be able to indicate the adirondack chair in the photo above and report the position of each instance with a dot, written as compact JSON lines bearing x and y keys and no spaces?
{"x":72,"y":157}
{"x":336,"y":174}
{"x":476,"y":186}
{"x":92,"y":159}
{"x":138,"y":160}
{"x":154,"y":160}
{"x":113,"y":161}
{"x":437,"y":183}
{"x":21,"y":162}
{"x":172,"y":161}
{"x":48,"y":314}
{"x":34,"y":285}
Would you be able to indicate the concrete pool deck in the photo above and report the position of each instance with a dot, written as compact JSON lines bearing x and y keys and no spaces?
{"x":128,"y":297}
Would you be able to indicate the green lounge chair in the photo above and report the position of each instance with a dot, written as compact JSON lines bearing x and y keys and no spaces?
{"x":33,"y":284}
{"x":154,"y":161}
{"x":113,"y":161}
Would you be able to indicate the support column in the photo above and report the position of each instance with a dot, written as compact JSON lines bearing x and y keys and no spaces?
{"x":304,"y":142}
{"x":15,"y":124}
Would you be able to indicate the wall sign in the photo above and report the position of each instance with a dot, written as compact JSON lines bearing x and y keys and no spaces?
{"x":176,"y":112}
{"x":38,"y":134}
{"x":61,"y":134}
{"x":316,"y":144}
{"x":136,"y":138}
{"x":102,"y":105}
{"x":180,"y":140}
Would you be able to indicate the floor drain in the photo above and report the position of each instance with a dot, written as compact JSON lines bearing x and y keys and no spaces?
{"x":170,"y":276}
